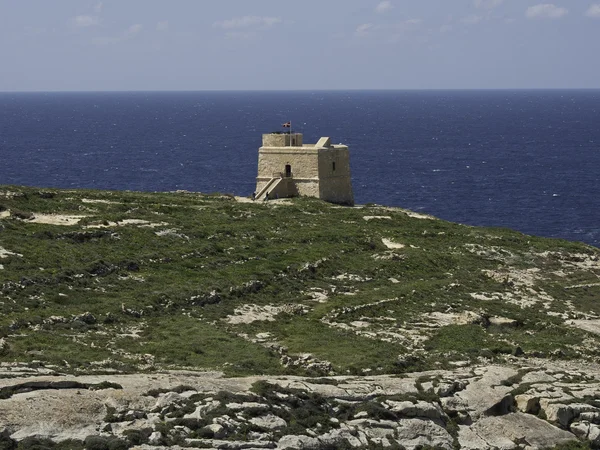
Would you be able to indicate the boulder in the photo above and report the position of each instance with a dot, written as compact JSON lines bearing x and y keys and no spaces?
{"x":335,"y":437}
{"x":418,"y":433}
{"x":592,"y":417}
{"x":87,"y":318}
{"x":373,"y":428}
{"x":298,"y":442}
{"x":268,"y":422}
{"x":484,"y":396}
{"x":447,"y":389}
{"x":247,"y":405}
{"x":527,"y":403}
{"x":511,"y":431}
{"x":155,"y":438}
{"x":564,"y":414}
{"x":167,"y":399}
{"x":203,"y":409}
{"x":587,"y":431}
{"x":470,"y":440}
{"x":361,"y":415}
{"x":220,"y":444}
{"x":502,"y":322}
{"x":419,"y":409}
{"x":218,"y":430}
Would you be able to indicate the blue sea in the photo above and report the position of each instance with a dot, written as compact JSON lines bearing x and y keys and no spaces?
{"x":527,"y":160}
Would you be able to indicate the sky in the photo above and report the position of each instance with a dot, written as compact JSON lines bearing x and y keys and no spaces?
{"x":114,"y":45}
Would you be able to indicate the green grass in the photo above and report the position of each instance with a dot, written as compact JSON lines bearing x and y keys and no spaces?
{"x":216,"y":255}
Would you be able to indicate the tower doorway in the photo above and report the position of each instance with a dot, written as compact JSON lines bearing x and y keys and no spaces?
{"x":288,"y":171}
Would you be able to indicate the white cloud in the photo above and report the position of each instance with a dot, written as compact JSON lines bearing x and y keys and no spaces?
{"x":133,"y":30}
{"x":243,"y":35}
{"x":446,"y":28}
{"x":162,"y":26}
{"x":363,"y":30}
{"x":593,"y":11}
{"x":130,"y":33}
{"x":487,"y":4}
{"x":98,"y":7}
{"x":546,"y":11}
{"x":86,"y":21}
{"x":392,"y":32}
{"x":248,"y":22}
{"x":473,"y":19}
{"x":383,"y":7}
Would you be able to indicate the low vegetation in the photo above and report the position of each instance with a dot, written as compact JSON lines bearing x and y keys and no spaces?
{"x":100,"y":281}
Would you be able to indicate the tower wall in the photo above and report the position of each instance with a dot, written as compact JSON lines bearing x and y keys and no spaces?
{"x":317,"y":170}
{"x":335,"y":183}
{"x":282,"y":140}
{"x":304,"y":164}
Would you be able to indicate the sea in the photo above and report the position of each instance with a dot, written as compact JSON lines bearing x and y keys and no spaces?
{"x":524,"y":159}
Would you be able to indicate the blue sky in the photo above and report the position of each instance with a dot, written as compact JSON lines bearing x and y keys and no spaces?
{"x":96,"y":45}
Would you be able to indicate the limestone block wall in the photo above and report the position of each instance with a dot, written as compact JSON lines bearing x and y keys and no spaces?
{"x":307,"y":188}
{"x":282,"y":140}
{"x":337,"y":190}
{"x":319,"y":170}
{"x":283,"y":188}
{"x":303,"y":163}
{"x":335,"y":183}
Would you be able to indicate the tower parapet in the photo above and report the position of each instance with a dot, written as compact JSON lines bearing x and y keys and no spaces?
{"x":282,"y":140}
{"x":287,"y":168}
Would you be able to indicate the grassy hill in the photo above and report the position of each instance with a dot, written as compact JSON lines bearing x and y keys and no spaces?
{"x":99,"y":281}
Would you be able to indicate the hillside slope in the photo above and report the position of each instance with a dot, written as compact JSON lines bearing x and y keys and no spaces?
{"x":106,"y":282}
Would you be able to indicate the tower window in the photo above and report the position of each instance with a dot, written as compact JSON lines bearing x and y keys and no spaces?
{"x":333,"y":166}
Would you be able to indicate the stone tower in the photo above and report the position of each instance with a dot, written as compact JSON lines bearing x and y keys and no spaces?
{"x":288,"y":168}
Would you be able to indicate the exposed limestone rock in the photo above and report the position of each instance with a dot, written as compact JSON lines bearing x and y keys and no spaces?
{"x":155,"y":438}
{"x":6,"y":253}
{"x":502,"y":322}
{"x":564,"y":414}
{"x":593,"y":326}
{"x":391,"y":244}
{"x":268,"y":422}
{"x":484,"y":396}
{"x":587,"y":431}
{"x":253,"y":313}
{"x":202,"y":410}
{"x":221,"y":444}
{"x":444,"y":319}
{"x":247,"y":405}
{"x":343,"y":434}
{"x":56,"y":219}
{"x":419,"y":409}
{"x":529,"y":404}
{"x":359,"y":411}
{"x":418,"y":433}
{"x":297,"y":442}
{"x":218,"y":430}
{"x":367,"y":218}
{"x":167,"y":399}
{"x":511,"y":431}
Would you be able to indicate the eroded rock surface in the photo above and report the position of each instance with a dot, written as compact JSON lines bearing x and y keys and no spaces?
{"x":482,"y":407}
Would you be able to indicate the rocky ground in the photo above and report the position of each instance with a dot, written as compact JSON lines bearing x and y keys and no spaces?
{"x":187,"y":320}
{"x":537,"y":405}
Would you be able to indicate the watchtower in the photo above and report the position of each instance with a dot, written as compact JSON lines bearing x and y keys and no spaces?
{"x":288,"y":168}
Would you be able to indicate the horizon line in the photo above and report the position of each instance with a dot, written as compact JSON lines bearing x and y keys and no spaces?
{"x":295,"y":90}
